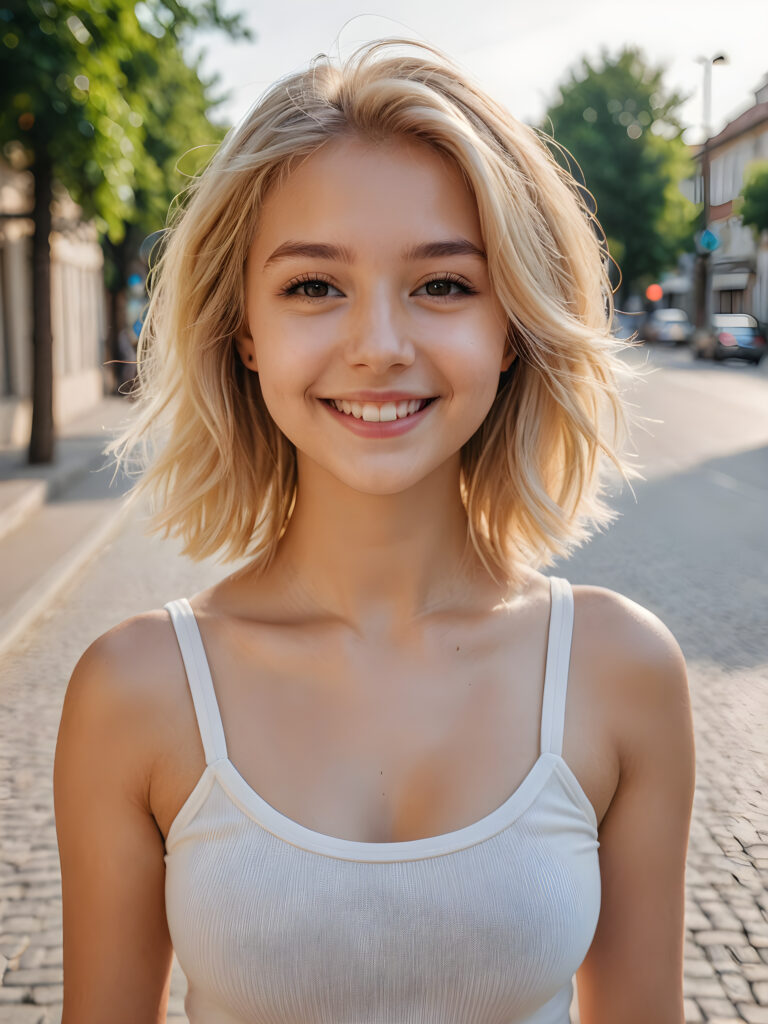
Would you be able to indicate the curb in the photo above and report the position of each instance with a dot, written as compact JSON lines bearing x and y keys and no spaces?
{"x":37,"y":598}
{"x":34,"y":492}
{"x":25,"y":488}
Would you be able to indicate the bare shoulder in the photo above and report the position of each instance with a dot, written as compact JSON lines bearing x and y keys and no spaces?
{"x":624,"y":631}
{"x":117,"y":949}
{"x":125,"y":685}
{"x":637,"y":665}
{"x":126,"y":664}
{"x":633,"y":970}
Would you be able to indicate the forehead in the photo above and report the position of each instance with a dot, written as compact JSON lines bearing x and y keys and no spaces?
{"x":369,"y":195}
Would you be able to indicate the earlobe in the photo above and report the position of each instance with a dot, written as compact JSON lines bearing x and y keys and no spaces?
{"x":245,"y":349}
{"x":510,"y":355}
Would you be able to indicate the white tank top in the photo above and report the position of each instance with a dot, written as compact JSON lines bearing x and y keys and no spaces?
{"x":273,"y":923}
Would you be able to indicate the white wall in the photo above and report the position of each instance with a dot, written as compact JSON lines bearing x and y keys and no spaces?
{"x":78,"y":316}
{"x":728,"y":168}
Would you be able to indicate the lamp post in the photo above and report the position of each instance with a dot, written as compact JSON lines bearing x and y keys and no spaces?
{"x":703,"y":289}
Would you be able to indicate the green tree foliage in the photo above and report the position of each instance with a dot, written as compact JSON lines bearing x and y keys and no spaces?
{"x":96,"y":95}
{"x":83,"y":80}
{"x":754,"y":205}
{"x":619,"y":123}
{"x":178,"y":139}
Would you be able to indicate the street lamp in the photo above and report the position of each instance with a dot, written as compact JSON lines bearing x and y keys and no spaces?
{"x":707,"y":63}
{"x":703,"y":293}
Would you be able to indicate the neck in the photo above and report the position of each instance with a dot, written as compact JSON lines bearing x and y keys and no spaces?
{"x":378,"y":562}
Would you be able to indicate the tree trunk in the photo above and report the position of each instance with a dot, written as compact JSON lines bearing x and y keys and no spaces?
{"x":116,"y":257}
{"x":41,"y":444}
{"x":113,"y":328}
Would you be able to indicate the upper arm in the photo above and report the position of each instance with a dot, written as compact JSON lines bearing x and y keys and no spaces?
{"x":633,"y":972}
{"x":117,"y":950}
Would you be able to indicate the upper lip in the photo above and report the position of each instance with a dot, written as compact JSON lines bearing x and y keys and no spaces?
{"x":380,"y":396}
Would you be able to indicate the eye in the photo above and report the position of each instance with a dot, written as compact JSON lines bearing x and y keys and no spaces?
{"x":308,"y":287}
{"x":447,"y":286}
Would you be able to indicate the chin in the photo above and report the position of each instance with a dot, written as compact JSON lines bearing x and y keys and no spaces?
{"x":378,"y":473}
{"x":382,"y":484}
{"x":367,"y":478}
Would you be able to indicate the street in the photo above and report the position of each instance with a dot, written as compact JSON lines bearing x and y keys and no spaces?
{"x":694,"y":550}
{"x":692,"y":547}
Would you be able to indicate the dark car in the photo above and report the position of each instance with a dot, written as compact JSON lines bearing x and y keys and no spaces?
{"x":733,"y":336}
{"x":668,"y":325}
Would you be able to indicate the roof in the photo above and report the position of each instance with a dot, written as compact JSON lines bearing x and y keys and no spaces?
{"x":751,"y":118}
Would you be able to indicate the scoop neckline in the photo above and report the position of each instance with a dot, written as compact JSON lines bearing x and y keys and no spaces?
{"x":292,"y":832}
{"x":221,"y":769}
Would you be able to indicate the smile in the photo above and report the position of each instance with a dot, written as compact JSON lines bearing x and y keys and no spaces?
{"x":385,"y":412}
{"x":379,"y":420}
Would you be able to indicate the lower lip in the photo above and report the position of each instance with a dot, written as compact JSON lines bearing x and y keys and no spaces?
{"x":391,"y":429}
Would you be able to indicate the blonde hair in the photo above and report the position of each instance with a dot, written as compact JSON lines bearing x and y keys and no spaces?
{"x":223,"y":476}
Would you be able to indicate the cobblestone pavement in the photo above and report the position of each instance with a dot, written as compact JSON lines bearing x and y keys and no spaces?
{"x":121,"y":582}
{"x":693,"y":550}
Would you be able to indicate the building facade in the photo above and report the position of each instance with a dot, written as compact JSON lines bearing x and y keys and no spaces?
{"x":77,"y":309}
{"x":739,"y":265}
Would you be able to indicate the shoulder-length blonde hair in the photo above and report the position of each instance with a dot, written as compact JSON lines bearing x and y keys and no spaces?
{"x":222,"y":475}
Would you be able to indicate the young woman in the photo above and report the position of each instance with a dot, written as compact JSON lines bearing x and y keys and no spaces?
{"x":388,"y":771}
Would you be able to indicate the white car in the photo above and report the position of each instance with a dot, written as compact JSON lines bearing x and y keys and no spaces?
{"x":668,"y":325}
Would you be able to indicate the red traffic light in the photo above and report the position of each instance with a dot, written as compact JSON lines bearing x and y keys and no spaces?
{"x":654,"y":292}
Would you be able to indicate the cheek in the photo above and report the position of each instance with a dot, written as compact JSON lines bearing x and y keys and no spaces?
{"x":286,"y":375}
{"x":477,"y":371}
{"x":282,"y":412}
{"x":281,"y":384}
{"x":289,"y":349}
{"x":474,"y":356}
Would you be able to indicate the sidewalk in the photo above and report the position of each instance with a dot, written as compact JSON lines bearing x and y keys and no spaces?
{"x":54,"y":518}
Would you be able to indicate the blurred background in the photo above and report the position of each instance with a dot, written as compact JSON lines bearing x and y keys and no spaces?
{"x":108,"y":108}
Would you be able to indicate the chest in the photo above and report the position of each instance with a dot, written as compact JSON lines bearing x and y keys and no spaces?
{"x":388,"y":745}
{"x":490,"y":931}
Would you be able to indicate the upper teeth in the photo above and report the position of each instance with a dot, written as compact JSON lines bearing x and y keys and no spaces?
{"x":384,"y":413}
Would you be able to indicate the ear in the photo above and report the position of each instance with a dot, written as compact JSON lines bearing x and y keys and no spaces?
{"x":509,"y":356}
{"x":246,"y":348}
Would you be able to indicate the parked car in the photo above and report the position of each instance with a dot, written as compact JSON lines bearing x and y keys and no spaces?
{"x":733,"y":336}
{"x":668,"y":325}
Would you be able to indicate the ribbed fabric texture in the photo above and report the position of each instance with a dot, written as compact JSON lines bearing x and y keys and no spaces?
{"x":274,"y":923}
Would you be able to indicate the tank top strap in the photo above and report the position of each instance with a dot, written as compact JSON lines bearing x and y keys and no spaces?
{"x":558,"y":661}
{"x":199,"y":679}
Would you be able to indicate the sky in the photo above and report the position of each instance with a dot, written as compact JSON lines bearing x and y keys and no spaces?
{"x":519,"y":50}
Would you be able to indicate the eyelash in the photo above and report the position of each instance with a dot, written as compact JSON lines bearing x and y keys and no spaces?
{"x":464,"y":286}
{"x":292,"y":288}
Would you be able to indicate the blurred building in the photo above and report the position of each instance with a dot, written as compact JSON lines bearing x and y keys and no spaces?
{"x":739,"y":266}
{"x":678,"y":284}
{"x":77,"y":309}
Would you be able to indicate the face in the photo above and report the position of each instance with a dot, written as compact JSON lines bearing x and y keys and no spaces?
{"x":369,"y":313}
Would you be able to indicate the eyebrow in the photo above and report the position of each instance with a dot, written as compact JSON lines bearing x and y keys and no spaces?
{"x":324,"y":251}
{"x":311,"y":250}
{"x":449,"y":247}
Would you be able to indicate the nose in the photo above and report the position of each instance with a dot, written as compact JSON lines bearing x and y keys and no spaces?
{"x":376,"y":332}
